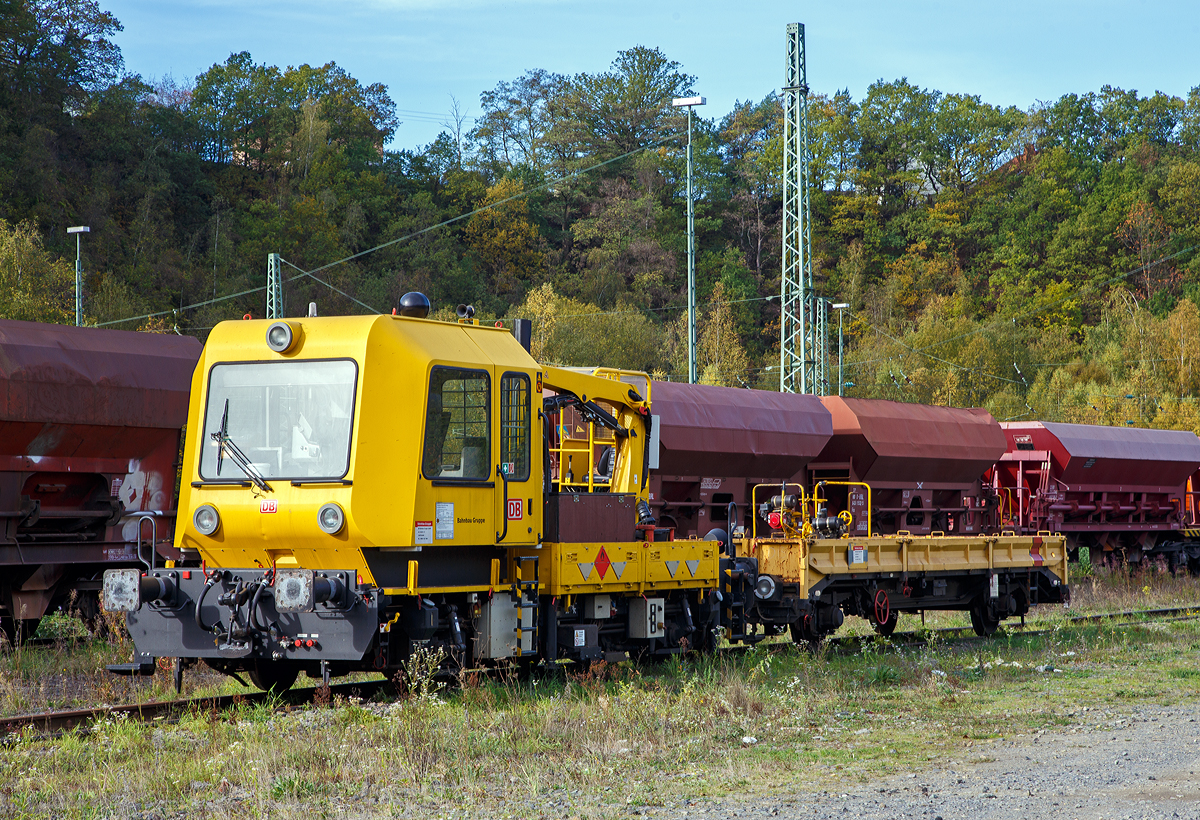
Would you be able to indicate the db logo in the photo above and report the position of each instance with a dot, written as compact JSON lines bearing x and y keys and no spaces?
{"x":514,"y":509}
{"x":268,"y":505}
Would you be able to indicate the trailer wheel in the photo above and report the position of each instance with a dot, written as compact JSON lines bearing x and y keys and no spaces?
{"x":982,"y":620}
{"x":273,"y":676}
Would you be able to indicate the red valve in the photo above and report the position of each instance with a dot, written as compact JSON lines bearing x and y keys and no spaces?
{"x":309,"y":643}
{"x":775,"y":520}
{"x":299,"y":643}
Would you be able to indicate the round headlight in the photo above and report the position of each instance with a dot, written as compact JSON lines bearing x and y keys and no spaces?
{"x":280,"y":337}
{"x":206,"y":519}
{"x":331,"y":518}
{"x":765,"y":588}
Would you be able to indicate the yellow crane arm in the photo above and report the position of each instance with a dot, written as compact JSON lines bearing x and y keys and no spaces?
{"x":629,"y":419}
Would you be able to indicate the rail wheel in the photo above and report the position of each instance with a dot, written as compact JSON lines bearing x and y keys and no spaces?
{"x":888,"y":625}
{"x":804,"y":635}
{"x":18,"y":630}
{"x":982,"y":620}
{"x":882,"y":617}
{"x":273,"y":676}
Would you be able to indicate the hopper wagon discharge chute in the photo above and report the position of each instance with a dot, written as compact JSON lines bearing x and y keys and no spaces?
{"x":90,"y":425}
{"x":360,"y":488}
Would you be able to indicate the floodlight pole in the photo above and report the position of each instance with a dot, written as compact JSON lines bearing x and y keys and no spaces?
{"x":81,"y":229}
{"x":840,"y":307}
{"x":689,"y":103}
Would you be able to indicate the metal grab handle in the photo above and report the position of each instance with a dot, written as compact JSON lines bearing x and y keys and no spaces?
{"x":142,"y":517}
{"x":500,"y":536}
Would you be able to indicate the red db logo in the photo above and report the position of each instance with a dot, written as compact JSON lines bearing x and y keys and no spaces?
{"x":514,"y":509}
{"x":268,"y":505}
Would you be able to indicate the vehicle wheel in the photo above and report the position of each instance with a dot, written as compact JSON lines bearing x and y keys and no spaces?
{"x":274,"y":676}
{"x":886,"y":627}
{"x":983,"y":622}
{"x":806,"y":638}
{"x":18,"y":630}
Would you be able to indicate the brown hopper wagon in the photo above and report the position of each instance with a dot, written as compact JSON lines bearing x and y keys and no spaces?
{"x":924,"y":465}
{"x":90,"y":423}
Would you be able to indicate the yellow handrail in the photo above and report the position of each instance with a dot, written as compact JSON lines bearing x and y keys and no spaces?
{"x":816,"y":497}
{"x":782,"y":487}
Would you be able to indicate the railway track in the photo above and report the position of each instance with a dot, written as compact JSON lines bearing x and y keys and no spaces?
{"x":50,"y":724}
{"x":62,"y":721}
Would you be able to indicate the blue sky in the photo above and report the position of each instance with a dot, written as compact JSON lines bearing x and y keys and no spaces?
{"x":1013,"y":53}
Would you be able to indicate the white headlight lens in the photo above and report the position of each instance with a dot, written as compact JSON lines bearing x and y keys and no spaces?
{"x":279,"y":337}
{"x":331,"y":518}
{"x":206,"y":519}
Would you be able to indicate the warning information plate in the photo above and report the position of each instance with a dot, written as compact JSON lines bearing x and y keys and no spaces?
{"x":423,"y":533}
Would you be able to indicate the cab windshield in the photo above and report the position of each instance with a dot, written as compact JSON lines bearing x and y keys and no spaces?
{"x":291,"y":419}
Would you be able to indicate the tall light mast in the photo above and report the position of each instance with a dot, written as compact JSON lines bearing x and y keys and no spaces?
{"x":803,"y":316}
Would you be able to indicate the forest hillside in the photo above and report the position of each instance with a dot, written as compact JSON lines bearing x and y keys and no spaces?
{"x":1040,"y":262}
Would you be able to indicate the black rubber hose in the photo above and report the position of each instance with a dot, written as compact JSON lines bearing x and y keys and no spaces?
{"x":207,"y":586}
{"x":254,"y":622}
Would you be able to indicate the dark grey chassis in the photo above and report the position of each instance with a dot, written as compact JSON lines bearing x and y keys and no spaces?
{"x":239,"y":624}
{"x":1017,"y":590}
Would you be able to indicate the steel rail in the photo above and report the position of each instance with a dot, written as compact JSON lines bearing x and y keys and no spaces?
{"x":53,"y":724}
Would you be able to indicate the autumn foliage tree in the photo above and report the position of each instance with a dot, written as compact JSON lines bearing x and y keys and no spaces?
{"x":34,"y":285}
{"x":504,"y":239}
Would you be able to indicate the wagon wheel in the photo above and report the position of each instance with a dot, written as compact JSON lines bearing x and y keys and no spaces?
{"x":804,"y":635}
{"x":273,"y":676}
{"x":888,"y":626}
{"x":18,"y":630}
{"x":982,"y":621}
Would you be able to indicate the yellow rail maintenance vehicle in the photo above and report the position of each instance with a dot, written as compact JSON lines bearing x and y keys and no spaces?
{"x":361,"y":486}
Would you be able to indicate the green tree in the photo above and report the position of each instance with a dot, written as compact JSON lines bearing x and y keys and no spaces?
{"x":505,"y":240}
{"x":34,"y":286}
{"x":625,"y":108}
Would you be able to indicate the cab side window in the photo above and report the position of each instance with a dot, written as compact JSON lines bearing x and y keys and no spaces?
{"x":458,"y":425}
{"x":514,"y":426}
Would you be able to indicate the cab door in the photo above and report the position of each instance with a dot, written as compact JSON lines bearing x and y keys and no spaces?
{"x":459,"y":457}
{"x":519,"y":449}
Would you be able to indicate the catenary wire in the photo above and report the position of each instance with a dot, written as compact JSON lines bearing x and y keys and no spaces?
{"x":442,"y":224}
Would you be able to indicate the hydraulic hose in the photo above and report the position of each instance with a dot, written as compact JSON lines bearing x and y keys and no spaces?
{"x":212,"y":580}
{"x":254,"y":622}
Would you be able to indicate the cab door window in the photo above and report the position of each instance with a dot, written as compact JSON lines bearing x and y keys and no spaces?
{"x":515,"y":426}
{"x":458,"y":425}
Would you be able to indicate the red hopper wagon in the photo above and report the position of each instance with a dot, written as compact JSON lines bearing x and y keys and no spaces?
{"x":1115,"y":490}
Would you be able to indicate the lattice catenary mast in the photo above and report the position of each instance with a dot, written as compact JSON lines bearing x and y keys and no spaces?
{"x":803,"y":318}
{"x":274,"y":287}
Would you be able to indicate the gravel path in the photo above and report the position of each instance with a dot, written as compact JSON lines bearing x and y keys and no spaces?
{"x":1145,"y":764}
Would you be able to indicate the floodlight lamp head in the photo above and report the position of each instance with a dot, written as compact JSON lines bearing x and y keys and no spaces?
{"x":841,"y":306}
{"x":79,"y":229}
{"x":687,"y":102}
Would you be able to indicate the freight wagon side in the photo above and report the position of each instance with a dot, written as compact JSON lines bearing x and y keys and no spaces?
{"x":1118,"y":491}
{"x":90,"y":423}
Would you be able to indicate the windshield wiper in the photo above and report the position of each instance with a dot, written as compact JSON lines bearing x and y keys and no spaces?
{"x":226,"y":445}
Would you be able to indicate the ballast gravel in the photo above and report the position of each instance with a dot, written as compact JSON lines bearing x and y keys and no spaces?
{"x":1144,"y":764}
